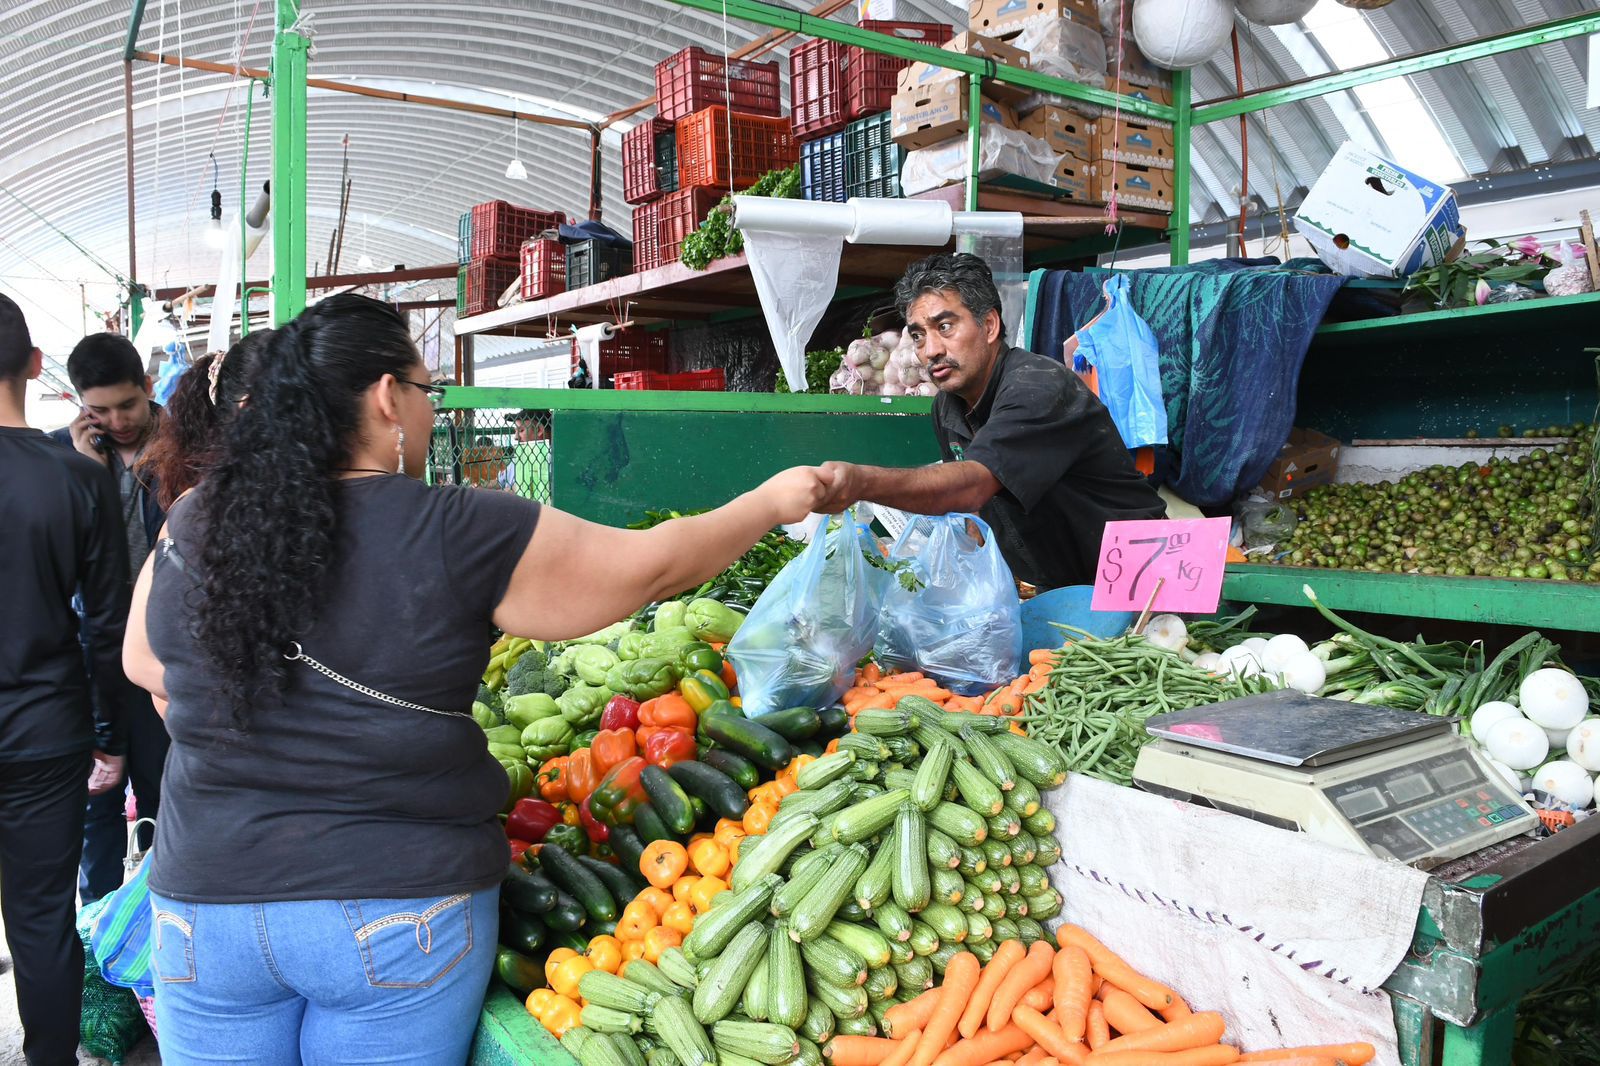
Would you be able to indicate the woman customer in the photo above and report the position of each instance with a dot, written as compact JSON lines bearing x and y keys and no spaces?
{"x":328,"y":859}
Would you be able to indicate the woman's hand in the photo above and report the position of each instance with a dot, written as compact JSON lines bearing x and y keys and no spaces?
{"x":795,"y":493}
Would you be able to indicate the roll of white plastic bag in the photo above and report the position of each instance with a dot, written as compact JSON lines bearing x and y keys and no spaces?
{"x":793,"y":250}
{"x":589,"y":340}
{"x":914,"y":222}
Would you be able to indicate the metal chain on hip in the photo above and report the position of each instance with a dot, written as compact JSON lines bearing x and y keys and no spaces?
{"x":298,"y":655}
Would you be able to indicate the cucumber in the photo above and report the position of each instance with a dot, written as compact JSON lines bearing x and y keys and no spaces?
{"x":719,"y":991}
{"x":828,"y":960}
{"x":916,"y":975}
{"x":820,"y":904}
{"x":741,"y":735}
{"x":819,"y":1022}
{"x":624,"y":840}
{"x":528,"y":891}
{"x":834,"y":721}
{"x":567,"y":938}
{"x":912,"y":886}
{"x":892,"y":920}
{"x":566,"y":916}
{"x":928,"y":783}
{"x":881,"y":984}
{"x":796,"y":723}
{"x":978,"y":793}
{"x":1024,"y":799}
{"x":614,"y":877}
{"x":872,"y":887}
{"x":754,"y":1001}
{"x":988,"y":758}
{"x":948,"y":886}
{"x":924,"y":941}
{"x":825,"y":770}
{"x":650,"y":826}
{"x":737,"y":768}
{"x":843,"y":1001}
{"x":674,"y":1022}
{"x":996,"y":853}
{"x":786,"y":984}
{"x":768,"y":854}
{"x":869,"y":817}
{"x":522,"y":932}
{"x":806,"y":875}
{"x":1040,"y":822}
{"x":966,"y":827}
{"x":871,"y":945}
{"x":1040,"y":763}
{"x":943,"y":852}
{"x":668,"y":799}
{"x":715,"y":929}
{"x":719,"y":791}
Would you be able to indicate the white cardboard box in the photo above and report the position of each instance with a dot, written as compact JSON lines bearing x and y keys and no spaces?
{"x":1370,"y":217}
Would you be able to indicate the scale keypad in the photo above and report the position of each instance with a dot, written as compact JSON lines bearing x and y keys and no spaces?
{"x":1423,"y":807}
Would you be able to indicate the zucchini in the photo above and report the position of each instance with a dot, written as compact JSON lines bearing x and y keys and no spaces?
{"x":677,"y":968}
{"x":609,"y":990}
{"x":522,"y":932}
{"x":971,"y":899}
{"x":869,"y":817}
{"x":924,"y":708}
{"x":729,"y":1058}
{"x":1023,"y":849}
{"x":972,"y":862}
{"x":735,"y":767}
{"x":754,"y":1001}
{"x":1024,"y":799}
{"x":1034,"y":879}
{"x":574,"y":1039}
{"x":767,"y":855}
{"x":865,"y":1025}
{"x":810,"y":1054}
{"x":996,"y":853}
{"x":928,"y":784}
{"x":1010,"y":880}
{"x":912,"y":886}
{"x":527,"y":890}
{"x":598,"y":1050}
{"x":795,"y":723}
{"x":881,"y":984}
{"x":786,"y":984}
{"x":851,"y":911}
{"x":871,"y":945}
{"x":567,"y":915}
{"x":903,"y":750}
{"x":899,"y":777}
{"x":941,"y":958}
{"x":674,"y":1022}
{"x":647,"y":976}
{"x":865,"y":746}
{"x":828,"y":960}
{"x":660,"y":1056}
{"x":948,"y":886}
{"x":943,"y":852}
{"x":600,"y":1019}
{"x":755,"y":742}
{"x":1040,"y":822}
{"x":819,"y":1022}
{"x":948,"y":923}
{"x":825,"y":800}
{"x":614,"y":877}
{"x":987,"y":881}
{"x":1033,"y":759}
{"x":721,"y":988}
{"x":808,"y":872}
{"x":979,"y":928}
{"x":716,"y":928}
{"x":1049,"y":849}
{"x":1005,"y":929}
{"x":867,"y":772}
{"x":669,"y":799}
{"x":892,"y":920}
{"x":835,"y":720}
{"x":956,"y":721}
{"x":900,"y":952}
{"x":762,"y":1041}
{"x":872,"y":887}
{"x":994,"y":906}
{"x":825,"y":771}
{"x":629,"y":848}
{"x":632,"y":1054}
{"x":1029,"y":931}
{"x":1004,"y":826}
{"x":820,"y":904}
{"x":924,"y":941}
{"x":989,"y":759}
{"x":843,"y":1001}
{"x":916,"y":975}
{"x":718,"y":790}
{"x":966,"y":827}
{"x":978,"y":793}
{"x":983,"y":949}
{"x":650,"y":825}
{"x":1042,"y":906}
{"x":1016,"y":907}
{"x":881,"y":722}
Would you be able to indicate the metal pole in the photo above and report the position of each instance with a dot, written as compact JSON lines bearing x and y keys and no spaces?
{"x":974,"y":137}
{"x":135,"y":18}
{"x":127,"y":129}
{"x":1183,"y":145}
{"x":244,"y":224}
{"x":594,"y":173}
{"x":289,"y":51}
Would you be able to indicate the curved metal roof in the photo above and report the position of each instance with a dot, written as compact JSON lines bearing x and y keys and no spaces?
{"x":414,"y":169}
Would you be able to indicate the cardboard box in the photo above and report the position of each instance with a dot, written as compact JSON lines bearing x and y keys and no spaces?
{"x":1136,"y":67}
{"x":1132,"y":140}
{"x":1369,"y":217}
{"x":1063,"y":129}
{"x":986,"y":16}
{"x":922,"y":118}
{"x":1306,"y":460}
{"x":1076,"y":178}
{"x":1138,"y":187}
{"x":920,"y":76}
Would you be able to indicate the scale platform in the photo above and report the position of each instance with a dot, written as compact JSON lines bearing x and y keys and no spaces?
{"x":1395,"y":784}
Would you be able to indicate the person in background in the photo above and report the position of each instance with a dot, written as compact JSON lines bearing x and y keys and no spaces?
{"x":61,"y":538}
{"x":326,"y":872}
{"x":527,"y":471}
{"x":114,"y":428}
{"x":1026,"y":445}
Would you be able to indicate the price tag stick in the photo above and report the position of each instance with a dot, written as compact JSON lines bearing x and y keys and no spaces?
{"x":1149,"y":607}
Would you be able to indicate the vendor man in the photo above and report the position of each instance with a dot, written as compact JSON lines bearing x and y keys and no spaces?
{"x":1026,"y":445}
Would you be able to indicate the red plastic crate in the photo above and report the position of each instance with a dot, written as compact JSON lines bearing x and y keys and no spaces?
{"x":871,"y":78}
{"x":499,"y":228}
{"x":641,"y":181}
{"x":714,"y":380}
{"x":485,"y":280}
{"x":633,"y":351}
{"x":680,"y":214}
{"x":816,"y":88}
{"x":695,"y":78}
{"x":646,"y":237}
{"x":759,"y":144}
{"x":544,"y":268}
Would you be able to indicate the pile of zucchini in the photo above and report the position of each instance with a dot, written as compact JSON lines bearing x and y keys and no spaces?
{"x":922,"y":836}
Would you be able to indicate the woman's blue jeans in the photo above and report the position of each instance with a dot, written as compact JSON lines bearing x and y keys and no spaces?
{"x":322,"y":982}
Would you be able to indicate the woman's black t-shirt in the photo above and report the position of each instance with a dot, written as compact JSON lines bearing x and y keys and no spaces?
{"x":332,"y":794}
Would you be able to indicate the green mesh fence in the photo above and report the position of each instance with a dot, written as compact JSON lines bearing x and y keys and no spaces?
{"x":506,"y":449}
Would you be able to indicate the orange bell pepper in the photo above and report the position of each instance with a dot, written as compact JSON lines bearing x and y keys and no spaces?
{"x":670,"y":710}
{"x":581,"y":775}
{"x":610,"y":747}
{"x":552,"y":779}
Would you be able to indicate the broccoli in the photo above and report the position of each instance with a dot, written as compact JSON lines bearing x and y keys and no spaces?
{"x":489,"y":699}
{"x":529,"y":674}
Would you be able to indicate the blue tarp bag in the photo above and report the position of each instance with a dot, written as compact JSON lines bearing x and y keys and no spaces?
{"x":1121,"y":348}
{"x":953,"y":612}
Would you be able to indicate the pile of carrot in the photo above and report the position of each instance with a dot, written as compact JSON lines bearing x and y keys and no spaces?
{"x":875,"y":689}
{"x":1075,"y":1005}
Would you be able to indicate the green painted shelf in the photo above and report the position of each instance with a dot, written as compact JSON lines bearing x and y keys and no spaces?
{"x":509,"y":1036}
{"x":1533,"y":604}
{"x":1550,"y":313}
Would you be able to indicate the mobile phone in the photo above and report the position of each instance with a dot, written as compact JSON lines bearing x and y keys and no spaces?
{"x":99,"y":441}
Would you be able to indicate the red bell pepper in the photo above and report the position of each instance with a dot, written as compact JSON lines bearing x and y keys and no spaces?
{"x":531,"y":819}
{"x":598,"y":831}
{"x":667,"y":746}
{"x":621,"y":713}
{"x":619,"y":793}
{"x":518,"y":847}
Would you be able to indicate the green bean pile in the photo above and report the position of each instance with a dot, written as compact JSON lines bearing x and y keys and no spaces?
{"x":1100,"y":692}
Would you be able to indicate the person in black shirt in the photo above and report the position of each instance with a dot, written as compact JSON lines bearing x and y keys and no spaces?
{"x":326,"y":869}
{"x":1027,"y":446}
{"x":62,"y":535}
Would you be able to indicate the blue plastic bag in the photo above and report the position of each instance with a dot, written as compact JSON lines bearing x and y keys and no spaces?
{"x":819,"y":617}
{"x":1120,"y":347}
{"x":963,"y":626}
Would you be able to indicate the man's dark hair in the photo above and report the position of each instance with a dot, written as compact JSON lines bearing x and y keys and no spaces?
{"x":102,"y":359}
{"x":16,"y":345}
{"x":967,"y":275}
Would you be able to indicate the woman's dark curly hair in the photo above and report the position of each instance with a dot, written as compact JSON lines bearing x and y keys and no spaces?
{"x":269,"y":505}
{"x":190,"y":436}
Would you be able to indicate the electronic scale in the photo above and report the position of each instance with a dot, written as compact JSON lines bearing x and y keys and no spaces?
{"x":1395,"y":784}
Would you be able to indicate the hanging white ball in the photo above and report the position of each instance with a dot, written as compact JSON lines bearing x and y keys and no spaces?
{"x":1178,"y":34}
{"x":1275,"y":12}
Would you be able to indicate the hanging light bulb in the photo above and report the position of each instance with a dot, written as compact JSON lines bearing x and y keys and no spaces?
{"x":514,"y":169}
{"x":365,"y":263}
{"x":214,"y":237}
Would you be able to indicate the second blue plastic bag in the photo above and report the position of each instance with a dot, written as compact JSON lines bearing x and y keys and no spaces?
{"x":819,"y":617}
{"x":963,"y":626}
{"x":1123,"y":350}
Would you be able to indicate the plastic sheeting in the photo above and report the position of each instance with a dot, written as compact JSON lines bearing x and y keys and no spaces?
{"x":793,"y":248}
{"x":1000,"y":150}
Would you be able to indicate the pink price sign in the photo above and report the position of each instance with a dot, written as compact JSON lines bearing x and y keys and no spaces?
{"x":1185,"y":557}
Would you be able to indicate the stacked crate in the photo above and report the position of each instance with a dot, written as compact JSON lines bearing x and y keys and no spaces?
{"x":630,"y":353}
{"x":492,"y":235}
{"x":544,"y":268}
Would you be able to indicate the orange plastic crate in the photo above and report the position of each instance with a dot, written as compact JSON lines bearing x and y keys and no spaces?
{"x":633,"y":351}
{"x":758,"y":144}
{"x":714,"y":380}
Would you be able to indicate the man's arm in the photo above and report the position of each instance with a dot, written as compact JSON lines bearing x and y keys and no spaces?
{"x":960,"y":486}
{"x":103,"y":587}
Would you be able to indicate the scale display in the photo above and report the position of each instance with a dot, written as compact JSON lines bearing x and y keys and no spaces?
{"x":1396,"y":784}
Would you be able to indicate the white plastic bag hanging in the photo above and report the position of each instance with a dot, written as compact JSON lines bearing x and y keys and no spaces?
{"x":793,"y":248}
{"x":996,"y":238}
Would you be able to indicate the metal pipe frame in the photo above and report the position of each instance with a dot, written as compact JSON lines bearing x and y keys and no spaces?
{"x":290,"y":50}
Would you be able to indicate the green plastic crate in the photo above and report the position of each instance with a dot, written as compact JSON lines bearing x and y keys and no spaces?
{"x":464,"y":239}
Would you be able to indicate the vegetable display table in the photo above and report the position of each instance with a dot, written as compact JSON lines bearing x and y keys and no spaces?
{"x":509,"y":1036}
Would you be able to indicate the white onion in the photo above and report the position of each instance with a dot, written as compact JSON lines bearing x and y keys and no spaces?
{"x":1239,"y":661}
{"x":1484,"y":718}
{"x":889,"y":338}
{"x":927,"y":388}
{"x":1280,"y":650}
{"x":1558,"y":738}
{"x":1553,"y":698}
{"x":1513,"y":778}
{"x":880,"y":358}
{"x":1167,"y":631}
{"x":1583,"y":744}
{"x":1304,"y":673}
{"x":1209,"y":661}
{"x":1518,"y":743}
{"x":1257,"y":645}
{"x":1567,"y":782}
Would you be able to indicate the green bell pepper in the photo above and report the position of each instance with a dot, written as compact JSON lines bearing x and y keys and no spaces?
{"x":642,"y":679}
{"x":520,"y":778}
{"x":584,"y":739}
{"x":569,"y":838}
{"x":591,"y":661}
{"x":700,"y":656}
{"x":662,"y":644}
{"x":522,"y":711}
{"x":582,"y":704}
{"x":669,"y":616}
{"x":619,"y":793}
{"x":711,"y":620}
{"x":702,"y":688}
{"x":484,"y":715}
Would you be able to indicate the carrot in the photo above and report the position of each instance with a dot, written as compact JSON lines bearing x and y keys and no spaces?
{"x":883,"y":701}
{"x":1032,"y":1057}
{"x":1042,"y":656}
{"x":870,"y":673}
{"x":1046,"y":1034}
{"x":985,"y":1046}
{"x":910,"y":1015}
{"x":1179,"y":1009}
{"x":1303,"y":1060}
{"x":1039,"y":997}
{"x":1005,"y":957}
{"x":1110,"y":965}
{"x":1071,"y":993}
{"x":1099,"y":1032}
{"x":1127,"y":1015}
{"x":1215,"y":1055}
{"x":905,"y":1049}
{"x":859,"y":1050}
{"x":960,"y":981}
{"x":1197,"y":1030}
{"x":1023,"y":976}
{"x":1353,"y":1054}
